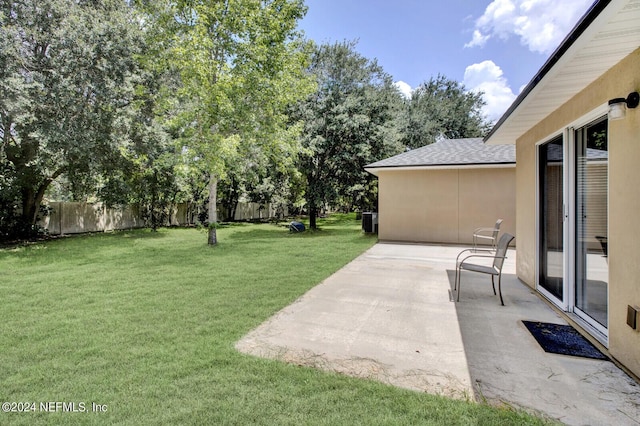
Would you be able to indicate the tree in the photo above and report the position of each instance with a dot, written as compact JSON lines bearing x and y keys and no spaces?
{"x":263,"y":176}
{"x":147,"y":171}
{"x":350,"y":121}
{"x":442,"y":108}
{"x":145,"y":175}
{"x":66,"y":71}
{"x":241,"y":64}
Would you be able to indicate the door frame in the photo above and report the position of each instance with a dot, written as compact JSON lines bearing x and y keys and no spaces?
{"x":560,"y":303}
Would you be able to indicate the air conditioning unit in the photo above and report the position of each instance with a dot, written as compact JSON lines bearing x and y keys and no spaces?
{"x":370,"y":222}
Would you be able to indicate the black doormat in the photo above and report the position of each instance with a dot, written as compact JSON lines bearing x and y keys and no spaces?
{"x":562,"y":339}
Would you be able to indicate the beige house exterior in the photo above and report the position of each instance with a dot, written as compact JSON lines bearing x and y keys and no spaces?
{"x":578,"y":179}
{"x":442,"y":192}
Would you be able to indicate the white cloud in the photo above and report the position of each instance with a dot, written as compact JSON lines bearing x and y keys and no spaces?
{"x":540,"y":24}
{"x":478,"y":39}
{"x":404,"y":88}
{"x":488,"y":78}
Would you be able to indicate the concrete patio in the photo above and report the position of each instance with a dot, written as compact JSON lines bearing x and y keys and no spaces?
{"x":390,"y":315}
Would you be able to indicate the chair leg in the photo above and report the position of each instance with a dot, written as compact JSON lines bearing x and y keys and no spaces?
{"x":455,"y":281}
{"x":493,"y":284}
{"x":456,"y":285}
{"x":500,"y":288}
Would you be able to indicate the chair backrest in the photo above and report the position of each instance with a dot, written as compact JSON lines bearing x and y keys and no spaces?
{"x":496,"y":229}
{"x":501,"y":250}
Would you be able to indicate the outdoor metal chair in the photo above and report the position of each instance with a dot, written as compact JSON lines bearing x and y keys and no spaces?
{"x":494,"y":270}
{"x":604,"y":242}
{"x":488,"y":234}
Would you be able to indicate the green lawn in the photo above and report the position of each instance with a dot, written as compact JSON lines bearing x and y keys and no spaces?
{"x":145,"y":323}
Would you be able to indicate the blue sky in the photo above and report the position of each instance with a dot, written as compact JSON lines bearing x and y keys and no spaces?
{"x":494,"y":46}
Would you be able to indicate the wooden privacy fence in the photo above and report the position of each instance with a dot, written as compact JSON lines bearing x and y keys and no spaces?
{"x":81,"y":217}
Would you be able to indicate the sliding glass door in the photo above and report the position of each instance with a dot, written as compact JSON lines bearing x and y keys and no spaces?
{"x":573,"y":194}
{"x":591,"y":213}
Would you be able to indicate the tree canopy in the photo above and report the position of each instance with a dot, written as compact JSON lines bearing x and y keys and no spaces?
{"x":443,"y":108}
{"x":154,"y":102}
{"x":349,"y":122}
{"x":67,"y":72}
{"x":241,"y":64}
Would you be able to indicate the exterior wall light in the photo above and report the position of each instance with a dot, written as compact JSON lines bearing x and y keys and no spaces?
{"x":618,"y":106}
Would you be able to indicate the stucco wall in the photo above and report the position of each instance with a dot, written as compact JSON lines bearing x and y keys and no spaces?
{"x":624,"y":198}
{"x":444,"y":206}
{"x":624,"y":229}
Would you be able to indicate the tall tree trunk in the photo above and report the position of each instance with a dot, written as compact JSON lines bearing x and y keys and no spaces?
{"x":313,"y":213}
{"x":230,"y":201}
{"x":154,"y":201}
{"x":232,"y":211}
{"x":31,"y":199}
{"x":212,"y":216}
{"x":29,"y":208}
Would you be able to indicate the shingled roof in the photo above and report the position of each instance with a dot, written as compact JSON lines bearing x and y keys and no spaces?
{"x":451,"y":153}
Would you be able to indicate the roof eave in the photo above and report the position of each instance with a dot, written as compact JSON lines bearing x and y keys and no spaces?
{"x":376,"y":170}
